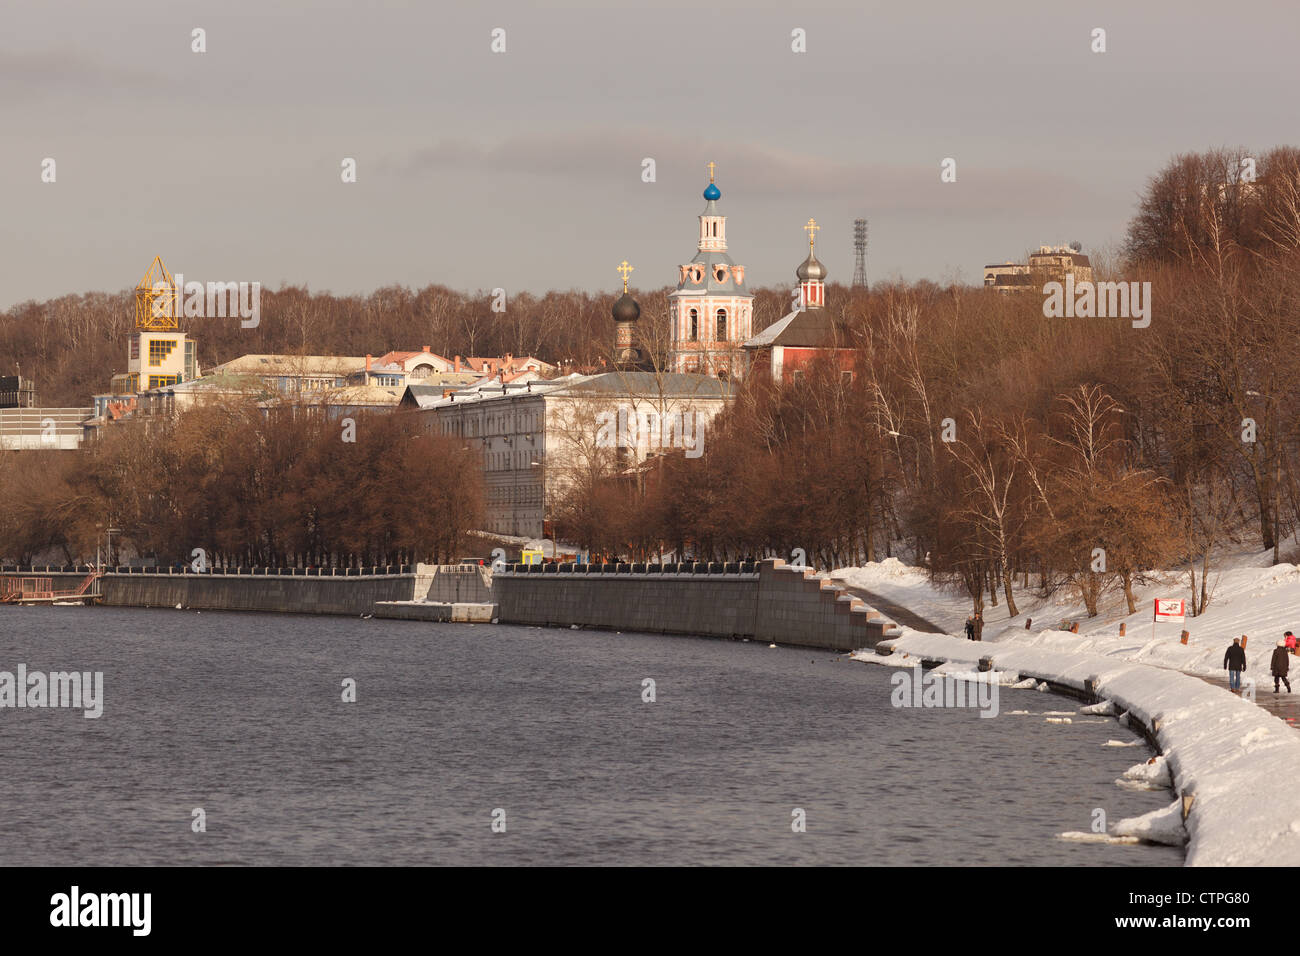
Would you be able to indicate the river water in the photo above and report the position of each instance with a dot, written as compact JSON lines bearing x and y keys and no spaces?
{"x":242,"y":716}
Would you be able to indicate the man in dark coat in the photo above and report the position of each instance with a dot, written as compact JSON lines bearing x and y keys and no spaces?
{"x":1279,"y":666}
{"x":1235,"y":661}
{"x":970,"y":628}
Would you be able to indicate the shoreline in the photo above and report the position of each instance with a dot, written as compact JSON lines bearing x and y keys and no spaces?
{"x":1230,"y":761}
{"x":1233,"y":765}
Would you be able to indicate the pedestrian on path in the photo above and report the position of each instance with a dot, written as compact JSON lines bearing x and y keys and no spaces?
{"x":970,"y":628}
{"x":1290,"y":642}
{"x":1234,"y":659}
{"x":1279,"y":665}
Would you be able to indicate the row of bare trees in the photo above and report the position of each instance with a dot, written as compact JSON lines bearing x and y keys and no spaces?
{"x":249,"y":489}
{"x":71,"y":346}
{"x":1003,"y":449}
{"x":1007,"y":450}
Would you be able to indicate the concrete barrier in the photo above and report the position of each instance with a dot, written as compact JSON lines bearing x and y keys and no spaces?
{"x":455,"y":583}
{"x":779,"y":605}
{"x":296,"y":594}
{"x":436,"y":611}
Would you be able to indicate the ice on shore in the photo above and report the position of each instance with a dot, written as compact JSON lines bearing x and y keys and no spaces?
{"x":1152,"y":775}
{"x":1163,"y":826}
{"x":1237,"y":760}
{"x":1105,"y":709}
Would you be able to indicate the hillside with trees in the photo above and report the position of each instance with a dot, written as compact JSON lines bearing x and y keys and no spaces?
{"x":1001,"y":449}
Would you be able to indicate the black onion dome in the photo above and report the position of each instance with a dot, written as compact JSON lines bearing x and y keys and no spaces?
{"x":626,"y":309}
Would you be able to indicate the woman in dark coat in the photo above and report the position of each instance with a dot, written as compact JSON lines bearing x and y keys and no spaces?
{"x":1279,"y":666}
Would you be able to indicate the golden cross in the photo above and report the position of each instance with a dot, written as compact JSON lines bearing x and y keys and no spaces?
{"x":712,"y":165}
{"x":625,"y":270}
{"x":811,"y":229}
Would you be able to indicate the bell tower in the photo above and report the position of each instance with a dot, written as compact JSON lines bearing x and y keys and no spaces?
{"x":712,"y":308}
{"x":811,"y":274}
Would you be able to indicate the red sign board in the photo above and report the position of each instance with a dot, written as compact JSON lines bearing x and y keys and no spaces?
{"x":1170,"y":612}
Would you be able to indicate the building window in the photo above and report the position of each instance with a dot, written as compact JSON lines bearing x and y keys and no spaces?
{"x":159,"y":349}
{"x":846,"y":377}
{"x":722,"y":325}
{"x":161,"y":381}
{"x":695,"y":326}
{"x":135,"y":347}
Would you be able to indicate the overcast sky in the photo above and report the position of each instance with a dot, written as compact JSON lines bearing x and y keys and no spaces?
{"x":523,"y":170}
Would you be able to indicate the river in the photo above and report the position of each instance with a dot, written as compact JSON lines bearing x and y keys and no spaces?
{"x":241,"y":716}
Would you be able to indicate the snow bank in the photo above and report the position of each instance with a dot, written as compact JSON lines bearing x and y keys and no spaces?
{"x":1249,"y":596}
{"x":1105,"y":708}
{"x":1159,"y":826}
{"x":1152,"y":775}
{"x":1239,"y":763}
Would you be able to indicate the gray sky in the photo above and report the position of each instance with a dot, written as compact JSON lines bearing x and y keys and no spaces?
{"x":523,"y":169}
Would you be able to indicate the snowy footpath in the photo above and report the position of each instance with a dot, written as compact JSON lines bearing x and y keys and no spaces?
{"x":1235,"y":766}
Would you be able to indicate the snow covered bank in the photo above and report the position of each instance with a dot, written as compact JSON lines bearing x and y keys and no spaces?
{"x":1249,"y":597}
{"x":1240,"y":765}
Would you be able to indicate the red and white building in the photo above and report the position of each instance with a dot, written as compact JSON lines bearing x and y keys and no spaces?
{"x":712,"y":309}
{"x":785,"y":349}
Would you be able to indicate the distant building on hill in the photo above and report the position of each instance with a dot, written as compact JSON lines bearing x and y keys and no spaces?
{"x":1048,"y":264}
{"x":711,"y":310}
{"x":296,"y":374}
{"x":33,"y":429}
{"x":785,"y":350}
{"x":17,"y":392}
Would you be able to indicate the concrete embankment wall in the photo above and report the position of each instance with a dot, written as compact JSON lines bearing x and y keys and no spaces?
{"x":462,"y":613}
{"x":304,"y":595}
{"x":457,"y":584}
{"x":779,"y":604}
{"x":291,"y":594}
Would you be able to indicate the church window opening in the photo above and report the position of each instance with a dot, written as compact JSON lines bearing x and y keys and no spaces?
{"x":695,"y":325}
{"x":722,"y":325}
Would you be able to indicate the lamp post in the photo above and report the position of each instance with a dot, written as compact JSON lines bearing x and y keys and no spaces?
{"x":542,"y":466}
{"x":1275,"y":479}
{"x":108,"y":539}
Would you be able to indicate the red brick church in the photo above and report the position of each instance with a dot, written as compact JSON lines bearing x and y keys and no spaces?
{"x":783,"y":351}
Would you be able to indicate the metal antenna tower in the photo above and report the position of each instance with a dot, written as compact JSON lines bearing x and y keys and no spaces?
{"x":859,"y":253}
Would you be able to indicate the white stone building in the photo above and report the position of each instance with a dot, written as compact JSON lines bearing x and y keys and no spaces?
{"x":536,"y":436}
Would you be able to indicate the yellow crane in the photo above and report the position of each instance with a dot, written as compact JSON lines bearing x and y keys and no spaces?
{"x":155,"y":300}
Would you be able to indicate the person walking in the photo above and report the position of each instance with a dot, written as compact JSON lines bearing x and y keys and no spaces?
{"x":970,"y":628}
{"x":1280,"y":665}
{"x":1290,"y":642}
{"x":1234,"y":659}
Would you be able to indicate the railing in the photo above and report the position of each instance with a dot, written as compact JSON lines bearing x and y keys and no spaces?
{"x":367,"y":571}
{"x":91,"y":578}
{"x":27,"y":589}
{"x":684,"y":568}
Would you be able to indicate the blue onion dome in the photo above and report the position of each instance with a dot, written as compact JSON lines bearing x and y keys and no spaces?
{"x":712,"y":192}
